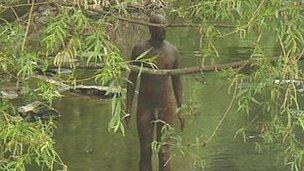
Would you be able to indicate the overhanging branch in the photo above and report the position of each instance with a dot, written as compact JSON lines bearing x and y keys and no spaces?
{"x":188,"y":70}
{"x":191,"y":70}
{"x":137,"y":21}
{"x":199,"y":69}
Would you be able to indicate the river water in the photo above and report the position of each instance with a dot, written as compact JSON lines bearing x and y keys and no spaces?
{"x":83,"y":141}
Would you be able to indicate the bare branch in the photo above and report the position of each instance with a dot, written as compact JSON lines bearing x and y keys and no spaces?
{"x":184,"y":71}
{"x":137,"y":21}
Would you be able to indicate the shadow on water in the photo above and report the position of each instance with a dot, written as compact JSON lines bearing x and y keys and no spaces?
{"x":85,"y":144}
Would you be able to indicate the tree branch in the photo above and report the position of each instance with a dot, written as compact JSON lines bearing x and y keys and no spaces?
{"x":134,"y":21}
{"x":167,"y":72}
{"x":192,"y":70}
{"x":137,"y":21}
{"x":187,"y":70}
{"x":199,"y":69}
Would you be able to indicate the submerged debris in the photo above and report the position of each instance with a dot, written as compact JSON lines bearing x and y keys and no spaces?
{"x":8,"y":95}
{"x":100,"y":92}
{"x":37,"y":111}
{"x":297,"y":83}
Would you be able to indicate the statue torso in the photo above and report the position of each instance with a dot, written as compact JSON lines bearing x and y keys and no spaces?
{"x":156,"y":91}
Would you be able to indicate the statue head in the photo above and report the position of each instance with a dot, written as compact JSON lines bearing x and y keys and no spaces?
{"x":157,"y":33}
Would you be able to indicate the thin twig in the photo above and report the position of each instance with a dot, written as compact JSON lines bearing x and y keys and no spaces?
{"x":249,"y":22}
{"x":255,"y":13}
{"x":221,"y":121}
{"x":15,"y":13}
{"x":252,"y":121}
{"x":28,"y":25}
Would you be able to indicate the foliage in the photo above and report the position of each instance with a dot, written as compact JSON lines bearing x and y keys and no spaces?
{"x":271,"y":86}
{"x":170,"y":137}
{"x":192,"y":106}
{"x":48,"y":92}
{"x":71,"y":36}
{"x":23,"y":143}
{"x":66,"y":38}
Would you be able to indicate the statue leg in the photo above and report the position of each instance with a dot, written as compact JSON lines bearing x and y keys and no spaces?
{"x":145,"y":134}
{"x":164,"y":153}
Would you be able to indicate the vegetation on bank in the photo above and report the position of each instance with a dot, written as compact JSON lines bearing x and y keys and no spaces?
{"x":73,"y":31}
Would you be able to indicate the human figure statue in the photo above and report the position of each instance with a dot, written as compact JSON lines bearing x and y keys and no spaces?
{"x":156,"y":98}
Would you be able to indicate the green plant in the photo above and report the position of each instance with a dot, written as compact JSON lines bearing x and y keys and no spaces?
{"x":23,"y":143}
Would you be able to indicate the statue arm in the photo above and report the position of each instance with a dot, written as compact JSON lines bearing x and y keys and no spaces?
{"x":176,"y":82}
{"x":177,"y":87}
{"x":131,"y":85}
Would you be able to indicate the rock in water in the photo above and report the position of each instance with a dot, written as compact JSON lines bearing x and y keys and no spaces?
{"x":59,"y":71}
{"x":37,"y":111}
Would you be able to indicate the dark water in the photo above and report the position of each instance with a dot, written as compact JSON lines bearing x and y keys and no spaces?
{"x":85,"y":144}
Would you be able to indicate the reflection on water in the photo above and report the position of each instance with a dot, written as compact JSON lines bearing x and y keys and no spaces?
{"x":85,"y":144}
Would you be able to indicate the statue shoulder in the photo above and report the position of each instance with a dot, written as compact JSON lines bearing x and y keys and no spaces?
{"x":173,"y":49}
{"x":170,"y":45}
{"x":139,"y":49}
